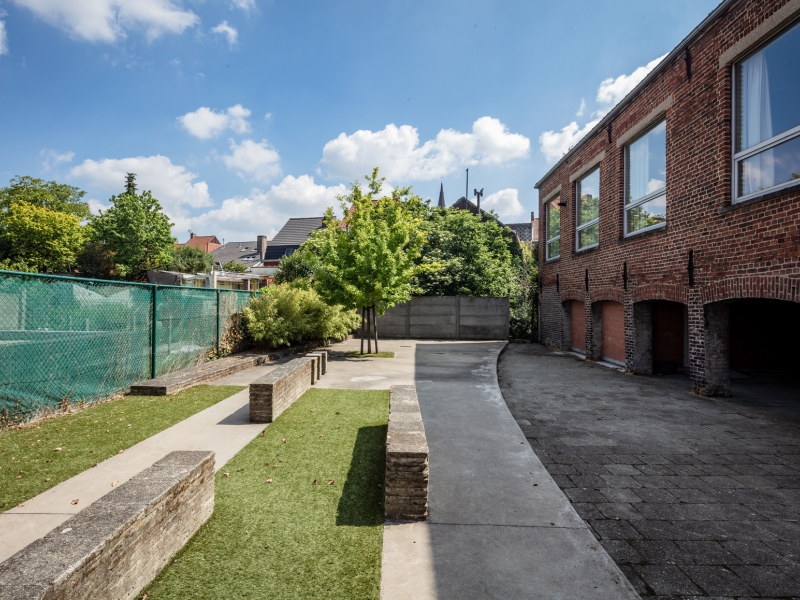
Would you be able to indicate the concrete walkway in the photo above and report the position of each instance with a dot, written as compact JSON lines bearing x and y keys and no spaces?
{"x":499,"y":526}
{"x":224,"y":428}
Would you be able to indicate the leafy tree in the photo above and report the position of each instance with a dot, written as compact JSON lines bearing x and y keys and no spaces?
{"x":366,"y":261}
{"x":42,"y":239}
{"x":189,"y":259}
{"x":59,"y":197}
{"x":96,"y":260}
{"x":524,"y":296}
{"x":299,"y":265}
{"x":136,"y":231}
{"x":233,"y":267}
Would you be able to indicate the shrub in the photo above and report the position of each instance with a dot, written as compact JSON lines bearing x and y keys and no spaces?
{"x":283,"y":315}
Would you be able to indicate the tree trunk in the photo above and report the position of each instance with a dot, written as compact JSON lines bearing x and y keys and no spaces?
{"x":369,"y":332}
{"x":362,"y":330}
{"x":375,"y":326}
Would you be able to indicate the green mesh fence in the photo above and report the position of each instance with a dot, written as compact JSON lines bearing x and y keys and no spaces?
{"x":75,"y":339}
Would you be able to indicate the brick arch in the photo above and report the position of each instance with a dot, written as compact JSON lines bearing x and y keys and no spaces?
{"x":607,"y":294}
{"x":573,"y":294}
{"x":660,"y":291}
{"x":752,"y":286}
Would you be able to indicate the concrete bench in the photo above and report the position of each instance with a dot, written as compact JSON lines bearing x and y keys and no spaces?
{"x":278,"y":390}
{"x":406,"y":458}
{"x":116,"y":546}
{"x":171,"y":383}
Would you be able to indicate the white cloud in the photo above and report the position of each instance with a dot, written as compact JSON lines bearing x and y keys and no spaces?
{"x":397,"y":152}
{"x":173,"y":185}
{"x":268,"y":117}
{"x":245,"y":5}
{"x":228,"y":31}
{"x":554,"y":144}
{"x":3,"y":37}
{"x":264,"y":212}
{"x":205,"y":123}
{"x":110,"y":20}
{"x":505,"y":203}
{"x":53,"y":158}
{"x":612,"y":90}
{"x":258,"y":160}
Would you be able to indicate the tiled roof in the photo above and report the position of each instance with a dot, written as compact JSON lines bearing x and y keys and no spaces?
{"x":244,"y":253}
{"x":204,"y":242}
{"x":523,"y":230}
{"x":291,"y":236}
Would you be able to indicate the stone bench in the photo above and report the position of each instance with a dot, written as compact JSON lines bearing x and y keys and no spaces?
{"x":323,"y":361}
{"x":406,"y":458}
{"x":171,"y":383}
{"x":276,"y":391}
{"x":115,"y":547}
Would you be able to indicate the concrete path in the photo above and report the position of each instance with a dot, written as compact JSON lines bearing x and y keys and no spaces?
{"x":224,"y":428}
{"x":499,"y":526}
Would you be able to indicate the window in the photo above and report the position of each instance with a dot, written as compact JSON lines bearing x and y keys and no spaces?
{"x":553,"y":229}
{"x":646,"y":181}
{"x":767,"y":124}
{"x":587,"y":211}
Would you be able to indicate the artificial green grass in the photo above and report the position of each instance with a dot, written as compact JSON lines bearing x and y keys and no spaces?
{"x":358,"y":354}
{"x":31,"y":464}
{"x":293,"y":538}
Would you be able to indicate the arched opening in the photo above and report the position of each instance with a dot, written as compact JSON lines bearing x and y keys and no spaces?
{"x":762,"y":336}
{"x":670,"y":337}
{"x":577,"y":326}
{"x":612,"y":328}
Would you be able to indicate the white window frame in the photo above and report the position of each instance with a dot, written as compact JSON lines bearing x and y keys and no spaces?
{"x":626,"y":208}
{"x":579,"y":228}
{"x":548,"y":241}
{"x":775,"y":140}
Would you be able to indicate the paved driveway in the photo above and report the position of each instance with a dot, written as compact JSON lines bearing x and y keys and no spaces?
{"x":690,"y":496}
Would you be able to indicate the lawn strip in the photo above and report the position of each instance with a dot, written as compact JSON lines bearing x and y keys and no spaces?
{"x":294,"y":538}
{"x":35,"y":458}
{"x":357,"y":354}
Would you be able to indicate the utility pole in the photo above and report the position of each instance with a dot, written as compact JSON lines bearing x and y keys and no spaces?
{"x":466,"y":191}
{"x":478,"y":194}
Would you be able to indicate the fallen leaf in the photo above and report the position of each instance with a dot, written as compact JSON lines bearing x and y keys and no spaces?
{"x":75,"y":501}
{"x":320,"y":435}
{"x":593,"y":547}
{"x":284,"y":440}
{"x":19,"y":476}
{"x":337,"y":427}
{"x":226,"y":474}
{"x":114,"y":483}
{"x":535,"y":484}
{"x":240,"y":469}
{"x":144,"y":597}
{"x":47,"y":478}
{"x":262,"y":433}
{"x":94,"y":465}
{"x":314,"y":482}
{"x":269,"y":479}
{"x":58,"y":449}
{"x":108,"y":430}
{"x":616,"y":518}
{"x":330,"y":482}
{"x":21,"y":505}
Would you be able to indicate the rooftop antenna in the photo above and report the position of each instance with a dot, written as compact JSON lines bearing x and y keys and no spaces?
{"x":478,"y":194}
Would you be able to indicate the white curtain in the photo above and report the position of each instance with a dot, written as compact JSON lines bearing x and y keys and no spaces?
{"x":638,"y":167}
{"x":759,"y":171}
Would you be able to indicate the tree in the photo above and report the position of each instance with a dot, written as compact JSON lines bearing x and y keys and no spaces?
{"x":366,"y":261}
{"x":40,"y":238}
{"x":300,"y":264}
{"x":136,"y":231}
{"x":233,"y":267}
{"x":189,"y":259}
{"x":59,"y":197}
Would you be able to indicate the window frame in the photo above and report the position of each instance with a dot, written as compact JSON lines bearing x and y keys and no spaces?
{"x":548,"y":240}
{"x":738,"y":157}
{"x":595,"y":221}
{"x":626,"y":208}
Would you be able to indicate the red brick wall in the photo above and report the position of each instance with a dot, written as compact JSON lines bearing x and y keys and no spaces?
{"x":613,"y":327}
{"x":578,"y":324}
{"x":668,"y":336}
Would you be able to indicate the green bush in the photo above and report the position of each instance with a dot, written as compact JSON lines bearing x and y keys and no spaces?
{"x":284,"y":315}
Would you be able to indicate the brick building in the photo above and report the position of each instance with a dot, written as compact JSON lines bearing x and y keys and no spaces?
{"x":669,"y":234}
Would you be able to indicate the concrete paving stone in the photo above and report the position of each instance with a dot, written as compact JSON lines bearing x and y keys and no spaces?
{"x":707,"y":553}
{"x":593,"y":469}
{"x":715,"y":512}
{"x":634,"y":580}
{"x":659,"y":511}
{"x":621,"y":481}
{"x":781,"y":470}
{"x":718,"y":469}
{"x":587,"y":511}
{"x":619,"y":510}
{"x":743,"y":530}
{"x":754,"y":481}
{"x":615,"y":530}
{"x":563,"y":481}
{"x":584,"y":495}
{"x":626,"y":459}
{"x":721,"y":481}
{"x":783,"y":530}
{"x":718,"y":580}
{"x":687,"y":470}
{"x":618,"y":469}
{"x":658,"y":530}
{"x":657,"y":495}
{"x":784,"y":481}
{"x":656,"y":481}
{"x":648,"y":469}
{"x":693,"y":496}
{"x":769,"y":581}
{"x":623,"y":552}
{"x":792,"y":571}
{"x":748,"y":469}
{"x":620,"y":495}
{"x":666,"y":580}
{"x":588,"y":481}
{"x":774,"y":511}
{"x":658,"y":551}
{"x":756,"y":553}
{"x":562,"y":469}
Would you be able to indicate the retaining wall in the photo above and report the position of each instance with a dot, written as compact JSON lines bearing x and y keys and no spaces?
{"x":115,"y":547}
{"x":278,"y":390}
{"x":406,"y":458}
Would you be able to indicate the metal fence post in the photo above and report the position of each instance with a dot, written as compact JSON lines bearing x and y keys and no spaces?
{"x":153,"y":331}
{"x":218,"y":333}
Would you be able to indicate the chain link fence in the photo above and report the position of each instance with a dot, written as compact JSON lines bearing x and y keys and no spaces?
{"x":70,"y":339}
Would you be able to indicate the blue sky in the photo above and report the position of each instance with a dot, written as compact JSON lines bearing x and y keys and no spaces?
{"x":239,"y":114}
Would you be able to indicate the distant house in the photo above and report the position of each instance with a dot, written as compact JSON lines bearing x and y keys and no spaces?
{"x":249,"y":254}
{"x":527,"y":231}
{"x":290,"y":238}
{"x":207,"y":243}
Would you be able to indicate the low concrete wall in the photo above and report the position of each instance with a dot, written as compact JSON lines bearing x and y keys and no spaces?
{"x":447,"y":318}
{"x":278,"y":390}
{"x":406,"y":458}
{"x":116,"y":546}
{"x":322,"y":367}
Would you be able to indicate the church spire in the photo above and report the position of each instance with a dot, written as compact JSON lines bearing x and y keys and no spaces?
{"x":441,"y":196}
